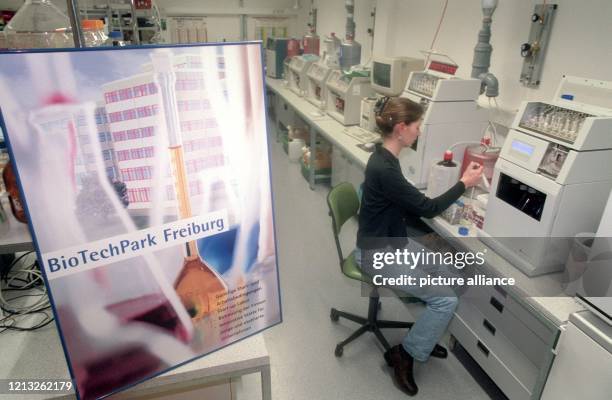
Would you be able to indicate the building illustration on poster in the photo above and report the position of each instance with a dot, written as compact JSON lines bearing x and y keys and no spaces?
{"x":160,"y":247}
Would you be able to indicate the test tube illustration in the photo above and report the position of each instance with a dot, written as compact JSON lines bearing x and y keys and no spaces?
{"x":197,"y":285}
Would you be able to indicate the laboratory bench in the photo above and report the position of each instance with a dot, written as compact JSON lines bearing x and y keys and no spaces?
{"x":511,"y":332}
{"x":39,"y":355}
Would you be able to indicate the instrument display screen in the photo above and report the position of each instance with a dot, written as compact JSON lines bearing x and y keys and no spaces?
{"x":522,"y":148}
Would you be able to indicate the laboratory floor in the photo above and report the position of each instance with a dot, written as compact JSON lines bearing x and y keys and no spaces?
{"x":302,"y":347}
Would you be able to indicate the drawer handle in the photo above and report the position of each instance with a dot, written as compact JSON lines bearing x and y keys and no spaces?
{"x":500,"y":290}
{"x":497,"y":304}
{"x":483,"y":348}
{"x":489,"y":326}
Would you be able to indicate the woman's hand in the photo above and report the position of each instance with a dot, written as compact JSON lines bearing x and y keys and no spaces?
{"x":472,"y":175}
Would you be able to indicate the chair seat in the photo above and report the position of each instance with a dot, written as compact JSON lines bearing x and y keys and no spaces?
{"x":353,"y":271}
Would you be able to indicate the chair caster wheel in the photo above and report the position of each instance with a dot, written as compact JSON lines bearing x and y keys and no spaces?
{"x":339,"y":350}
{"x":334,"y":315}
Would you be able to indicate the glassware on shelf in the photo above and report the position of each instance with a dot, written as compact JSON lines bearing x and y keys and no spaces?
{"x":38,"y":24}
{"x":554,"y":121}
{"x":93,"y":33}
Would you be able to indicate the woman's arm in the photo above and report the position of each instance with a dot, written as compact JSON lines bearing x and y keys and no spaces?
{"x":402,"y":193}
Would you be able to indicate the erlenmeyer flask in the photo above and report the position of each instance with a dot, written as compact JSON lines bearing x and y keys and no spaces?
{"x":38,"y":24}
{"x":199,"y":286}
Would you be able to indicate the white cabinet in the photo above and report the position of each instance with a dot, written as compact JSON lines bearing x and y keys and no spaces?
{"x":583,"y":367}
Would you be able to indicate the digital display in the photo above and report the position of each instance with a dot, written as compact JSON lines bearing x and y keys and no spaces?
{"x":522,"y":148}
{"x":443,"y":67}
{"x":382,"y":74}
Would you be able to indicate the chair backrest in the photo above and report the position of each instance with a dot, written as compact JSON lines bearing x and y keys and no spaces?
{"x":343,"y":204}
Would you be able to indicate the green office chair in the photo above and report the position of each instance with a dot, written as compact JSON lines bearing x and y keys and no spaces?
{"x":343,"y":205}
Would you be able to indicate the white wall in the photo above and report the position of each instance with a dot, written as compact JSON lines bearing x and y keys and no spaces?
{"x":188,"y":7}
{"x":580,"y":43}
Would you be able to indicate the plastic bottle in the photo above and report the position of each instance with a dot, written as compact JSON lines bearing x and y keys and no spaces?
{"x":443,"y":175}
{"x":38,"y":24}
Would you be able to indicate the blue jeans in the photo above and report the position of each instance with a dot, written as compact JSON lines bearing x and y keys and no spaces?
{"x":440,"y":306}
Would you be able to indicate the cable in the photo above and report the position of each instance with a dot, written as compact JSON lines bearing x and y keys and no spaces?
{"x":14,"y":262}
{"x":433,"y":42}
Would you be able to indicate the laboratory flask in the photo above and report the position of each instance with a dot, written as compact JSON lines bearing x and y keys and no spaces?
{"x":38,"y":24}
{"x":199,"y":287}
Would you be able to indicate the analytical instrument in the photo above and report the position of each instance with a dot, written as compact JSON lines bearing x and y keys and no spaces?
{"x":452,"y":115}
{"x":550,"y":182}
{"x":344,"y":94}
{"x":276,"y":52}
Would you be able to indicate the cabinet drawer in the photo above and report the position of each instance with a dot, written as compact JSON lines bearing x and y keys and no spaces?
{"x":488,"y":360}
{"x":514,"y":358}
{"x":529,"y":335}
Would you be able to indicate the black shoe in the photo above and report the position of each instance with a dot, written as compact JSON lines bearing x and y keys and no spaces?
{"x":403,"y":365}
{"x":438,"y":352}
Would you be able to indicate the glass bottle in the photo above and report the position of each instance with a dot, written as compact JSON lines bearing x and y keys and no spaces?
{"x":10,"y":182}
{"x":38,"y":24}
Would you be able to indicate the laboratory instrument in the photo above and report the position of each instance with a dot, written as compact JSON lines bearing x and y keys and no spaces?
{"x":276,"y":52}
{"x":389,"y":74}
{"x":344,"y":94}
{"x":548,"y":182}
{"x":316,"y":90}
{"x":451,"y":116}
{"x":388,"y":78}
{"x":298,"y":70}
{"x":350,"y":49}
{"x":367,"y":120}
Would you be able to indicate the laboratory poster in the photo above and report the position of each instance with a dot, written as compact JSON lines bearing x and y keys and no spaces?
{"x":146,"y":180}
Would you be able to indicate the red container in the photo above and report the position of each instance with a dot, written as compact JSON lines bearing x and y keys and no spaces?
{"x":293,"y":48}
{"x":483,"y":156}
{"x":310,"y":43}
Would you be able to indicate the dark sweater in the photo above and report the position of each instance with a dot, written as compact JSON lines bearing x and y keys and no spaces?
{"x":390,"y":203}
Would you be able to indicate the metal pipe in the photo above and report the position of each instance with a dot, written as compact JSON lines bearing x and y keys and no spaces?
{"x":75,"y":22}
{"x":350,"y":19}
{"x":135,"y":32}
{"x":483,"y":50}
